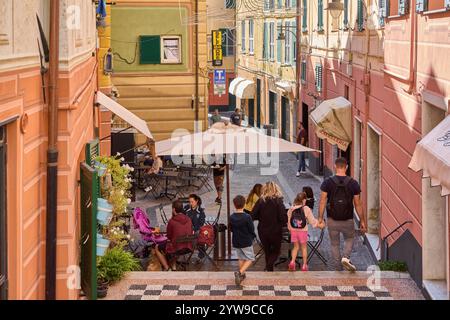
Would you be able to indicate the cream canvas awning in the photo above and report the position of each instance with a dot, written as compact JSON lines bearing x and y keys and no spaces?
{"x":124,"y":114}
{"x":246,"y":90}
{"x":224,"y":138}
{"x":242,"y":88}
{"x":234,"y":84}
{"x":432,"y":155}
{"x":333,"y":120}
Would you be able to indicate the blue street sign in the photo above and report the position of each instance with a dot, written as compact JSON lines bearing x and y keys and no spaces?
{"x":220,"y":76}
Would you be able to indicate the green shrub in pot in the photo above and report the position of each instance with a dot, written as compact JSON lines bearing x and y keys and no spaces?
{"x":116,"y":263}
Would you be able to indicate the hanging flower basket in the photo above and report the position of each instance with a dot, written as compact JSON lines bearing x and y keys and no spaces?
{"x":104,"y":211}
{"x":102,"y":245}
{"x":101,"y":168}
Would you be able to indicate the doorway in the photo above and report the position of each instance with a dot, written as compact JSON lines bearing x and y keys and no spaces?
{"x":251,"y":112}
{"x":435,"y":249}
{"x":258,"y":103}
{"x":273,"y":109}
{"x":373,"y":188}
{"x":305,"y":117}
{"x":231,"y":98}
{"x":284,"y":118}
{"x":357,"y":155}
{"x":3,"y":220}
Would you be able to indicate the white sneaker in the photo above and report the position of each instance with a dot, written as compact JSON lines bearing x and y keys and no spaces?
{"x":298,"y":174}
{"x":347,"y":264}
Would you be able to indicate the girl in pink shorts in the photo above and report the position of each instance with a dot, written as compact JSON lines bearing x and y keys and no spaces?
{"x":299,"y":216}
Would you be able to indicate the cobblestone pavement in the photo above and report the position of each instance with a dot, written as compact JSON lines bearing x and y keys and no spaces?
{"x":263,"y":285}
{"x":242,"y":178}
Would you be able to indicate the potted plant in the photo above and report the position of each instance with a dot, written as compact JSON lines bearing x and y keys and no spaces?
{"x":116,"y":263}
{"x":102,"y":285}
{"x":102,"y":245}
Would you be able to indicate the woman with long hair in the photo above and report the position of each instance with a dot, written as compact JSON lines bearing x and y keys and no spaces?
{"x":309,"y":197}
{"x":252,"y":198}
{"x":271,"y":213}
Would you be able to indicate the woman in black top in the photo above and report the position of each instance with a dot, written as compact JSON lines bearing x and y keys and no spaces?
{"x":271,"y":213}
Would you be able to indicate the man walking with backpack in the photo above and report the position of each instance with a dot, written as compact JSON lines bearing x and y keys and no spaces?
{"x":341,"y":195}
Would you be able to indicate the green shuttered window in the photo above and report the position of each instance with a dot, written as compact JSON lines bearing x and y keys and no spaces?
{"x":360,"y":17}
{"x":345,"y":14}
{"x":403,"y":7}
{"x":421,"y":6}
{"x":319,"y":77}
{"x":279,"y":44}
{"x":305,"y":16}
{"x":150,"y":49}
{"x":320,"y":15}
{"x":303,"y":71}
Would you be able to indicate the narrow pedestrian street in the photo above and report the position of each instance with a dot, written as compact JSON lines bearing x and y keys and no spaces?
{"x":174,"y":149}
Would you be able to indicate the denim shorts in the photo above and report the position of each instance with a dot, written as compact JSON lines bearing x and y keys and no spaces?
{"x":246,"y":254}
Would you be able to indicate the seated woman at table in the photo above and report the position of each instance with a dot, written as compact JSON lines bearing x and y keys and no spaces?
{"x":179,"y":226}
{"x":157,"y":166}
{"x":195,"y":212}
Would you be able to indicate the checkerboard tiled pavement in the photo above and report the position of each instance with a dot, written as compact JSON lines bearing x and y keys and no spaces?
{"x":156,"y":292}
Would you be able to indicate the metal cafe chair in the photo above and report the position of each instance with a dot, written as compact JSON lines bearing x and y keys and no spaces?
{"x":163,"y":215}
{"x":314,"y":248}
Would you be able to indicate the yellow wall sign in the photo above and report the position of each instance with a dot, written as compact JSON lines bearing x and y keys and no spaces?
{"x":217,"y":50}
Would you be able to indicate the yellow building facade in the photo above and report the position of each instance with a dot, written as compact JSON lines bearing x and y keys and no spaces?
{"x":266,"y":46}
{"x":160,"y":63}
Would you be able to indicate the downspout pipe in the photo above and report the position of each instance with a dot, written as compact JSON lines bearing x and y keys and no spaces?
{"x":196,"y":66}
{"x":52,"y":156}
{"x":298,"y":60}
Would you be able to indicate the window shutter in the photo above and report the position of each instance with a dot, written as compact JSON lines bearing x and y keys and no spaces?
{"x":279,"y":4}
{"x":447,"y":4}
{"x":303,"y":71}
{"x":345,"y":14}
{"x":360,"y":18}
{"x":421,"y":6}
{"x":382,"y":12}
{"x":305,"y":16}
{"x":266,"y":5}
{"x":319,"y":78}
{"x":265,"y":40}
{"x":320,"y":15}
{"x":293,"y":43}
{"x":294,"y":4}
{"x":243,"y":35}
{"x":150,"y":49}
{"x":279,"y":29}
{"x":403,"y":7}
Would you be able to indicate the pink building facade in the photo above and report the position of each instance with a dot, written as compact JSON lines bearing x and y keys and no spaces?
{"x":391,"y":64}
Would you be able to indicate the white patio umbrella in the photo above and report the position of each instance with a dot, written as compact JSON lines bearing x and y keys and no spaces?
{"x":225,"y":139}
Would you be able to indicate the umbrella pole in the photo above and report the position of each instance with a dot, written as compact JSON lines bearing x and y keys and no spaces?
{"x":228,"y":210}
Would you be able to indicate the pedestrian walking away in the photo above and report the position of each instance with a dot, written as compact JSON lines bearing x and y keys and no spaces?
{"x":243,"y":231}
{"x":271,"y":213}
{"x":341,"y":196}
{"x":302,"y":139}
{"x":299,"y":216}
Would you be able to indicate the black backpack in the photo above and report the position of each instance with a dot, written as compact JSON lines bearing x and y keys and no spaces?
{"x":298,"y":219}
{"x":340,"y":205}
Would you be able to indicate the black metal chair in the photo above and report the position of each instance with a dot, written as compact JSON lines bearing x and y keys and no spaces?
{"x":314,"y":248}
{"x":162,"y":214}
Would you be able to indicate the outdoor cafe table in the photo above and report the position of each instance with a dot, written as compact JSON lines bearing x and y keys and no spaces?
{"x":166,"y":175}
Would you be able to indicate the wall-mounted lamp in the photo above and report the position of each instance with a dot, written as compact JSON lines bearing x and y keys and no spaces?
{"x":336,"y":8}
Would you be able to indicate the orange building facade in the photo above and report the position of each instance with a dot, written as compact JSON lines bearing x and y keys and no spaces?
{"x":23,"y":119}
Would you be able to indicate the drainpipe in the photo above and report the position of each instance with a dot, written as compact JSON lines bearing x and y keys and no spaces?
{"x":196,"y":65}
{"x":412,"y":55}
{"x":52,"y":156}
{"x":298,"y":62}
